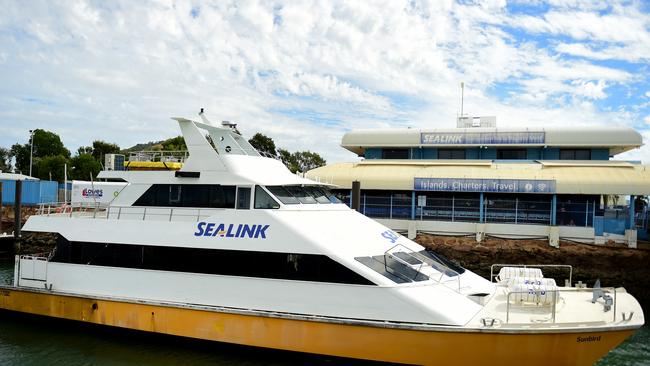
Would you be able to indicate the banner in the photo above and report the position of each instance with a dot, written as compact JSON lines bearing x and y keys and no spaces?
{"x":482,"y":138}
{"x":484,"y":185}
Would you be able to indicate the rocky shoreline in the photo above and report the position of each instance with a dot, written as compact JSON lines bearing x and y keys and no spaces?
{"x":614,"y":265}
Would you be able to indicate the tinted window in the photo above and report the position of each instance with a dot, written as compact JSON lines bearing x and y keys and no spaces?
{"x":395,"y":154}
{"x":288,"y":266}
{"x":188,"y":195}
{"x":301,"y":194}
{"x":393,"y":269}
{"x":243,"y":198}
{"x":283,"y":195}
{"x":511,"y":154}
{"x":575,"y":154}
{"x":263,"y":200}
{"x":319,"y":194}
{"x":451,"y":153}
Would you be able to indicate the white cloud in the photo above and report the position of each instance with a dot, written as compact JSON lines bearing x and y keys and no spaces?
{"x":305,"y":72}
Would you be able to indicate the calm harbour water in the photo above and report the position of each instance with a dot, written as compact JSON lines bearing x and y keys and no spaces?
{"x":32,"y":340}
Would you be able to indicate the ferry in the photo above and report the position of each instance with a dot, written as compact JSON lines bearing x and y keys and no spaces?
{"x":233,"y":247}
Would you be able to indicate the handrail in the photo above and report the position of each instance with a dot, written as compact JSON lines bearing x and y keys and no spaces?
{"x":492,"y":276}
{"x":555,"y":294}
{"x":124,"y":212}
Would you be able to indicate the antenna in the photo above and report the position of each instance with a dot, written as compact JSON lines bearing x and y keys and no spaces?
{"x":462,"y":97}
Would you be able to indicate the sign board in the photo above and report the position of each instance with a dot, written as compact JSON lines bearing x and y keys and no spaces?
{"x":484,"y":185}
{"x":94,"y":193}
{"x":422,"y":201}
{"x":482,"y":138}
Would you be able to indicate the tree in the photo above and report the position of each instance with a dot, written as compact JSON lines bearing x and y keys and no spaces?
{"x":84,"y":150}
{"x":83,"y":165}
{"x":288,"y":160}
{"x":5,"y":159}
{"x":101,"y":148}
{"x":307,"y":160}
{"x":50,"y":167}
{"x":21,"y":153}
{"x":263,"y":144}
{"x":46,"y":144}
{"x":174,"y":144}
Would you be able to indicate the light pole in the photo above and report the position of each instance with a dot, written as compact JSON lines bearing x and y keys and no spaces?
{"x":31,"y":150}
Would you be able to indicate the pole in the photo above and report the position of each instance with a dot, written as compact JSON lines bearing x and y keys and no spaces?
{"x":356,"y":195}
{"x":31,"y":150}
{"x":631,"y":223}
{"x":17,"y":209}
{"x":480,"y":210}
{"x":462,"y":97}
{"x":65,"y":183}
{"x":1,"y":208}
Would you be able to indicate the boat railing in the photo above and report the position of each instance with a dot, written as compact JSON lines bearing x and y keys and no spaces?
{"x":555,"y":297}
{"x":66,"y":208}
{"x":164,"y":156}
{"x":420,"y":261}
{"x":159,"y":213}
{"x":103,"y":211}
{"x":493,"y":276}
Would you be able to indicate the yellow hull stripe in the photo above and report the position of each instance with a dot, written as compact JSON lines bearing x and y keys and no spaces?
{"x":354,"y":341}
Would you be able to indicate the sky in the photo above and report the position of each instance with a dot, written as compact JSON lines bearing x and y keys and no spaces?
{"x":305,"y":72}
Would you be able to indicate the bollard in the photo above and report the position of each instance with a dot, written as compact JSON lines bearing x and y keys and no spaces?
{"x":1,"y":208}
{"x":17,"y":215}
{"x":356,"y":196}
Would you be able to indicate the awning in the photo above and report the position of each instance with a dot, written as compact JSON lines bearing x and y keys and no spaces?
{"x":577,"y":178}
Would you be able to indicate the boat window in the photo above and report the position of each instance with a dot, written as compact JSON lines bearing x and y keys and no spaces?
{"x":301,"y":194}
{"x":188,"y":195}
{"x":243,"y":198}
{"x":440,"y":262}
{"x":380,"y":267}
{"x":283,"y":195}
{"x":319,"y":194}
{"x":286,"y":266}
{"x":263,"y":200}
{"x":295,"y":194}
{"x":392,"y":269}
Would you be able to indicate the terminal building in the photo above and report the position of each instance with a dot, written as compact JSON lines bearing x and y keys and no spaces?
{"x":547,"y":183}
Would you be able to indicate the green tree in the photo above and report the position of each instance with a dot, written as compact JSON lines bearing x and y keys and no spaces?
{"x":21,"y":153}
{"x":263,"y":143}
{"x":307,"y":160}
{"x":101,"y":148}
{"x":50,"y":167}
{"x":85,"y":150}
{"x":174,"y":144}
{"x":46,"y":144}
{"x":5,"y":159}
{"x":288,"y":159}
{"x":83,"y":165}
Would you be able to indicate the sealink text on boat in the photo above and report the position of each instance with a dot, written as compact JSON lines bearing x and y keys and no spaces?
{"x":232,"y":231}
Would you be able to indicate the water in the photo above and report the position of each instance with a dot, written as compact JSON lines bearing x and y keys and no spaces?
{"x":34,"y":340}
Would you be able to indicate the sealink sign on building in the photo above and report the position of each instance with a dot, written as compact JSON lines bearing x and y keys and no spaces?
{"x":484,"y":185}
{"x":482,"y":138}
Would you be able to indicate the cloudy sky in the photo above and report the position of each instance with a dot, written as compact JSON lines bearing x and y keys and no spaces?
{"x":304,"y":72}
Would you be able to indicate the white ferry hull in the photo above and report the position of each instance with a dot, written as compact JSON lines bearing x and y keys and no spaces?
{"x":378,"y":341}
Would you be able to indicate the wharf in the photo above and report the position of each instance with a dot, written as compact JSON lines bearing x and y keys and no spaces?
{"x":615,"y":265}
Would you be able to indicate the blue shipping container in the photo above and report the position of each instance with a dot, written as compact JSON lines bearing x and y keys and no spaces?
{"x":34,"y":192}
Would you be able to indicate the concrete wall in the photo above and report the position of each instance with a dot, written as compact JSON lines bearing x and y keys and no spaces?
{"x":514,"y":231}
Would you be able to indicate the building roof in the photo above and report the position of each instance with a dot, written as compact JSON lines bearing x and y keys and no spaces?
{"x":588,"y":177}
{"x":617,"y":139}
{"x":12,"y":176}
